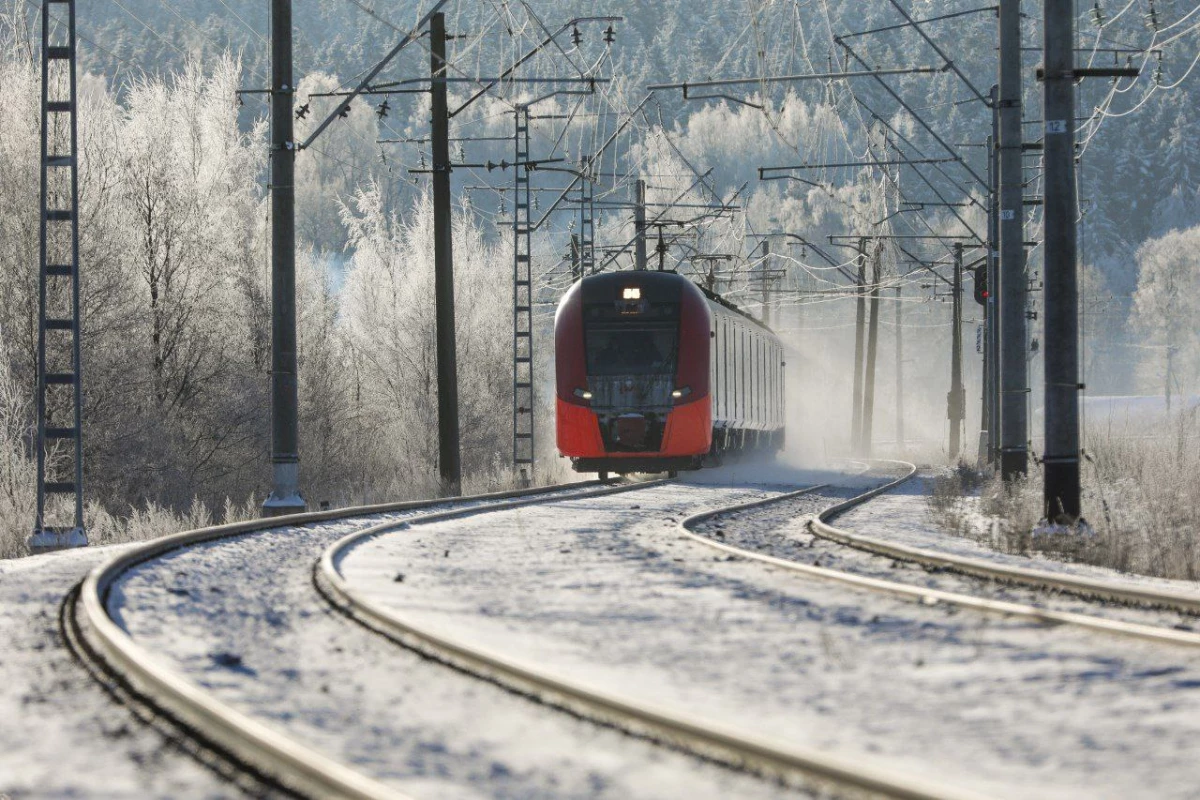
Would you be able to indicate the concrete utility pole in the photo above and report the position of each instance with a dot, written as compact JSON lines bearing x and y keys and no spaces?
{"x":285,"y":497}
{"x":639,"y":226}
{"x":449,"y":464}
{"x":899,"y":371}
{"x":1013,"y":288}
{"x":956,"y":399}
{"x":991,"y":306}
{"x":860,"y":313}
{"x":1061,"y":339}
{"x":868,"y":416}
{"x":766,"y":289}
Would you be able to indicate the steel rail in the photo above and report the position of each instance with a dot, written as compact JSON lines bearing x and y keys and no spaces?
{"x":712,"y":741}
{"x":110,"y":654}
{"x":1090,"y":588}
{"x":919,"y":594}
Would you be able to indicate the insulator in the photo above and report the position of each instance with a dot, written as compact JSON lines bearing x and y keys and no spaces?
{"x":610,"y":35}
{"x":576,"y":36}
{"x":302,"y":111}
{"x":382,"y":111}
{"x":1097,"y":15}
{"x":344,"y":111}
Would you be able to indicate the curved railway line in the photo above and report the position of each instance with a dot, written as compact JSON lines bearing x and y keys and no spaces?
{"x":724,"y":744}
{"x":255,"y":754}
{"x":821,"y":526}
{"x":220,"y":735}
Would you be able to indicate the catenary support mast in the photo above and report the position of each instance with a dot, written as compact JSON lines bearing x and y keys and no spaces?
{"x":1014,"y":370}
{"x":956,"y":400}
{"x":285,"y":497}
{"x":1061,"y":339}
{"x":868,"y":414}
{"x":59,"y":522}
{"x":522,"y":226}
{"x":449,"y":464}
{"x":639,"y":226}
{"x":860,"y":313}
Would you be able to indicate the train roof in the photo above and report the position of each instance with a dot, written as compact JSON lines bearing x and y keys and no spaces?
{"x":668,"y":277}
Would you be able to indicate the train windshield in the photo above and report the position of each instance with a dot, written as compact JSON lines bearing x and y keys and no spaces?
{"x":629,"y":348}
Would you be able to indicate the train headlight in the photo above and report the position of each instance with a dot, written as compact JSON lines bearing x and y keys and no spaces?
{"x":583,"y":393}
{"x":631,"y":293}
{"x":681,"y":392}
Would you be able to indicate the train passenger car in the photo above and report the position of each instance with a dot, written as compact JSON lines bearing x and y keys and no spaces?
{"x":654,"y":374}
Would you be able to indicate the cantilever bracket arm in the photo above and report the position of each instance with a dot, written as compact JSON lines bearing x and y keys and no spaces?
{"x":720,"y":96}
{"x":366,"y":81}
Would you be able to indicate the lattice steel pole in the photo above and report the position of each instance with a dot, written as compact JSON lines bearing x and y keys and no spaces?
{"x":59,"y":364}
{"x":523,"y":394}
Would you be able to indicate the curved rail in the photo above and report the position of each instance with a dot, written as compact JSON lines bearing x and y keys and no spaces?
{"x":713,"y":741}
{"x":982,"y":568}
{"x":111,"y":654}
{"x":920,"y":594}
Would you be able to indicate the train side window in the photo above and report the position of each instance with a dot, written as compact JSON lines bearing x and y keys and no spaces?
{"x":750,"y":375}
{"x":755,"y":394}
{"x":769,"y":383}
{"x":725,"y":368}
{"x":740,"y":410}
{"x":714,"y":366}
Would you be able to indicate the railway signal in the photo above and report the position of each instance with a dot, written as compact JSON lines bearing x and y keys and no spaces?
{"x":982,"y":292}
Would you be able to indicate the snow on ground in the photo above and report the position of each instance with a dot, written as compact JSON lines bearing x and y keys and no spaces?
{"x":61,"y":735}
{"x":901,"y":516}
{"x":605,"y":591}
{"x":241,"y":618}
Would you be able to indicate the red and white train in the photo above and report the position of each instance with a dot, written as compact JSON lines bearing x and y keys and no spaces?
{"x":654,"y":374}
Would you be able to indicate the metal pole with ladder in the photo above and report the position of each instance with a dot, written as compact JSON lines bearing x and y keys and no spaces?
{"x":59,"y":522}
{"x":587,"y":221}
{"x":523,"y":430}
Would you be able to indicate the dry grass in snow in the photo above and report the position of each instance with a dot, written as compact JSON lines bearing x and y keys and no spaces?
{"x":1141,"y":496}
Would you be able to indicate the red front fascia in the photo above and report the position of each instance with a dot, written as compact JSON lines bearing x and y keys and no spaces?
{"x":688,"y":432}
{"x":689,"y":429}
{"x":578,"y":431}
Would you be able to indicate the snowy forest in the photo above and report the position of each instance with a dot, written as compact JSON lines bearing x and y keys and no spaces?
{"x":175,"y":225}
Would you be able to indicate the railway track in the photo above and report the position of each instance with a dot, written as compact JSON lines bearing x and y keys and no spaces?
{"x":254,"y":756}
{"x":737,"y":748}
{"x":821,"y":527}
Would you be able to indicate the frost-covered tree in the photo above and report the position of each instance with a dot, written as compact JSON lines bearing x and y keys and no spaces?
{"x":1165,"y":307}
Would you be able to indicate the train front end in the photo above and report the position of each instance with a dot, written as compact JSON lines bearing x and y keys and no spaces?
{"x":632,"y":371}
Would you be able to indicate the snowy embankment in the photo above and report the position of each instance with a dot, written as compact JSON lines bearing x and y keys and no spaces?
{"x":902,"y":516}
{"x":606,"y":592}
{"x":62,"y":735}
{"x":240,"y":617}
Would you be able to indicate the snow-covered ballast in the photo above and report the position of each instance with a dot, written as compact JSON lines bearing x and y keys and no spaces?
{"x":653,"y":374}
